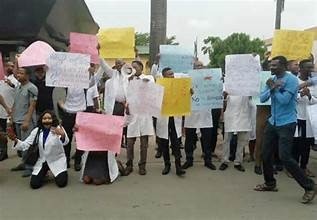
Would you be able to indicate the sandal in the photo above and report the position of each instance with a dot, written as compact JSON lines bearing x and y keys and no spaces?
{"x":265,"y":188}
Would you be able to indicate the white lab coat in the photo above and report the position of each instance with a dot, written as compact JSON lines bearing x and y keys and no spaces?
{"x":237,"y":114}
{"x":302,"y":109}
{"x":199,"y":119}
{"x":111,"y":88}
{"x":112,"y":166}
{"x":162,"y":127}
{"x":52,"y":153}
{"x":140,"y":125}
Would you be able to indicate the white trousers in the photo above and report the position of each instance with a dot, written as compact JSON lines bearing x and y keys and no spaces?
{"x":243,"y":138}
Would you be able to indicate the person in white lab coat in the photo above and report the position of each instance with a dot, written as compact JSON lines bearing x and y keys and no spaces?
{"x":169,"y":129}
{"x":236,"y":121}
{"x":138,"y":126}
{"x":51,"y":137}
{"x":304,"y":137}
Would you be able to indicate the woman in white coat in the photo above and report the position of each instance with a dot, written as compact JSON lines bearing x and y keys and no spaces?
{"x":51,"y":139}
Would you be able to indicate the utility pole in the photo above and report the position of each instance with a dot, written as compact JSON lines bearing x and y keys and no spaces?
{"x":158,"y":27}
{"x":279,"y":10}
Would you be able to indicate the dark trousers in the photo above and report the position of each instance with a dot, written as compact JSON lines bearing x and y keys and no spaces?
{"x":68,"y":123}
{"x":206,"y":138}
{"x":3,"y":136}
{"x":37,"y":180}
{"x":118,"y":110}
{"x":164,"y":143}
{"x":302,"y":144}
{"x":284,"y":134}
{"x":216,"y":113}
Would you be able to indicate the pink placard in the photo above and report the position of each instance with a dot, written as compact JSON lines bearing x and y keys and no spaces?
{"x":86,"y":44}
{"x":98,"y":132}
{"x":36,"y":54}
{"x":2,"y":75}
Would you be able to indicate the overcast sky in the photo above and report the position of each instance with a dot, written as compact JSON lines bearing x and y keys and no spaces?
{"x":188,"y":19}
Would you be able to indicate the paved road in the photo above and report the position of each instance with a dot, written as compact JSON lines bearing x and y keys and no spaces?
{"x":201,"y":194}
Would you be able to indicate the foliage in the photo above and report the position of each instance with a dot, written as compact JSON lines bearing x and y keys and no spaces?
{"x":236,"y":43}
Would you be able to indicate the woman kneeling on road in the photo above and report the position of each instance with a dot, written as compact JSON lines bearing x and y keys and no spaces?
{"x":51,"y":139}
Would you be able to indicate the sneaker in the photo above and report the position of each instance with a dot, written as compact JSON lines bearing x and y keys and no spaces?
{"x":187,"y":164}
{"x":239,"y":167}
{"x":309,"y":195}
{"x":223,"y":166}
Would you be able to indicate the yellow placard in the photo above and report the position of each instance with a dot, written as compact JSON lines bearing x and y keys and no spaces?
{"x":177,"y":97}
{"x":117,"y":42}
{"x":294,"y":45}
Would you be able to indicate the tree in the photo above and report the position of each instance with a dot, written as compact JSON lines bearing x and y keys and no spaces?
{"x":236,"y":43}
{"x":143,"y":39}
{"x":157,"y":26}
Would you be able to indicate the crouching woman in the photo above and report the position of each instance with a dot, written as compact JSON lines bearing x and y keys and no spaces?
{"x":51,"y":139}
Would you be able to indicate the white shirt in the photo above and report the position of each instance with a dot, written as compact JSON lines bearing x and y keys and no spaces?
{"x":75,"y":100}
{"x":92,"y":93}
{"x":7,"y":93}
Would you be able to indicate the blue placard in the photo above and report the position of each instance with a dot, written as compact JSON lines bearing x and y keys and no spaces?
{"x":208,"y":88}
{"x":264,"y":76}
{"x":176,"y":57}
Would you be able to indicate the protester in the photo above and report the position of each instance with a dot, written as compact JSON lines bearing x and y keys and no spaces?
{"x":75,"y":102}
{"x":236,"y":121}
{"x":293,"y":67}
{"x":50,"y":138}
{"x":282,"y":89}
{"x":138,"y":126}
{"x":7,"y":91}
{"x":45,"y":98}
{"x":304,"y":137}
{"x":23,"y":112}
{"x":169,"y":129}
{"x":201,"y":120}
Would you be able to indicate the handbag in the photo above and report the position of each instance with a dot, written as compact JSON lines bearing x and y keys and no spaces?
{"x":32,"y":154}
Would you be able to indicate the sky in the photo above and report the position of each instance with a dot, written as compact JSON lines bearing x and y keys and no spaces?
{"x":191,"y":19}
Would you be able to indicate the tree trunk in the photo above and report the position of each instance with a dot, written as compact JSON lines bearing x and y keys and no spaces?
{"x":279,"y":9}
{"x":158,"y":27}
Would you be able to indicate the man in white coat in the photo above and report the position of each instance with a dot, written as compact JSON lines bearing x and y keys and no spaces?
{"x":236,"y":121}
{"x":304,"y":137}
{"x":139,"y":126}
{"x":169,"y":129}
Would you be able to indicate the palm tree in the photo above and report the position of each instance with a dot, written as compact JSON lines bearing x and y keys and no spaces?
{"x":158,"y":26}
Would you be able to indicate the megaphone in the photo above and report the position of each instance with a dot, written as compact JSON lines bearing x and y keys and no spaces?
{"x":127,"y":69}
